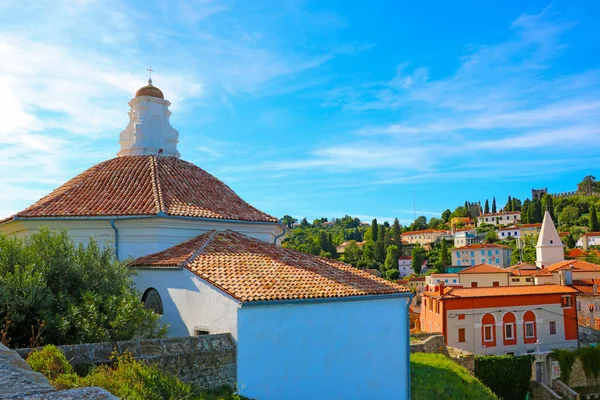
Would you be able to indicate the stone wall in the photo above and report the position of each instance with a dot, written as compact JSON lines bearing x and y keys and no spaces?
{"x":19,"y":381}
{"x":588,"y":335}
{"x":463,"y":358}
{"x":428,"y":344}
{"x":208,"y":361}
{"x":540,"y":391}
{"x":578,"y":378}
{"x":565,"y":391}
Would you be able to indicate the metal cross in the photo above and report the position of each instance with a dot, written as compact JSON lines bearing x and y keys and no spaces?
{"x":150,"y":70}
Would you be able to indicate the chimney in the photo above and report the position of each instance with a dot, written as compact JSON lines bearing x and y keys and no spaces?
{"x":566,"y":277}
{"x":441,"y":287}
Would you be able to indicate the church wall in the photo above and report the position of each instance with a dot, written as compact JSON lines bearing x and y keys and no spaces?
{"x":140,"y":236}
{"x":189,"y":303}
{"x":332,"y":349}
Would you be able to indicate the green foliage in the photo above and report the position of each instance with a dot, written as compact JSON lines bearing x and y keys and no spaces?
{"x":418,"y":256}
{"x":566,"y":359}
{"x":391,"y":258}
{"x":374,"y":230}
{"x":126,"y":378}
{"x":486,"y":208}
{"x":490,"y":237}
{"x":289,"y":221}
{"x":528,"y":249}
{"x":494,"y":205}
{"x":507,"y":376}
{"x":82,"y":294}
{"x":590,"y":359}
{"x":446,"y":216}
{"x":434,"y":376}
{"x":568,"y":216}
{"x":593,"y":219}
{"x":392,"y":274}
{"x":432,"y":271}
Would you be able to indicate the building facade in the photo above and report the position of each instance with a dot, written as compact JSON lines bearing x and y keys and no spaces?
{"x":500,"y":218}
{"x":502,"y":320}
{"x":424,"y":237}
{"x":508,"y":232}
{"x":489,"y":253}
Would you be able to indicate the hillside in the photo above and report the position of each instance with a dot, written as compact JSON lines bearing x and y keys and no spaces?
{"x":433,"y":376}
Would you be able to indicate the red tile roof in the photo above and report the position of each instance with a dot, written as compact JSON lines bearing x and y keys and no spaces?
{"x":249,"y":269}
{"x":483,"y":269}
{"x":586,"y":286}
{"x":145,"y":185}
{"x":577,"y":252}
{"x":591,"y":234}
{"x":531,"y":225}
{"x":482,"y":246}
{"x":523,"y":269}
{"x":576,"y":264}
{"x":498,"y":291}
{"x":423,"y":231}
{"x":510,"y":228}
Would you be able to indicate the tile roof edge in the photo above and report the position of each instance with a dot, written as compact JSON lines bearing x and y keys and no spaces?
{"x":199,"y":250}
{"x":358,"y":297}
{"x":156,"y":186}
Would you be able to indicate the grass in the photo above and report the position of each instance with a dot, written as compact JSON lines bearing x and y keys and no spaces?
{"x":434,"y":376}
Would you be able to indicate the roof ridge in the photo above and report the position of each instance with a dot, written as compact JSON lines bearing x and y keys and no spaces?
{"x":199,"y":249}
{"x":157,"y":191}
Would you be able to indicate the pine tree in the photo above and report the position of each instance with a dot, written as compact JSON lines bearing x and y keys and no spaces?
{"x":515,"y":206}
{"x":486,"y":209}
{"x":396,"y":232}
{"x":509,"y":204}
{"x":494,"y":205}
{"x":594,"y":226}
{"x":374,"y":230}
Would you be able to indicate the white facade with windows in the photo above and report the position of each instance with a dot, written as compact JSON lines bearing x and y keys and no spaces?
{"x":499,"y":219}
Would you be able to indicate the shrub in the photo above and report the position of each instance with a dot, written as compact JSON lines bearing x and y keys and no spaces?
{"x":126,"y":378}
{"x":392,"y":274}
{"x":79,"y":294}
{"x":507,"y":376}
{"x":434,"y":376}
{"x":566,"y":359}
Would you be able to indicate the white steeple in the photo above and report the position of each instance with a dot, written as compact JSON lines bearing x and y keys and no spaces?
{"x":549,"y":248}
{"x":149,"y":130}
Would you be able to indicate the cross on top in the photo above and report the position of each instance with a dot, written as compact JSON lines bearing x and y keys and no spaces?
{"x":150,"y":70}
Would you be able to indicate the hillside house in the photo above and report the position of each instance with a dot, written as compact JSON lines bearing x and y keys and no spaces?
{"x":489,"y":253}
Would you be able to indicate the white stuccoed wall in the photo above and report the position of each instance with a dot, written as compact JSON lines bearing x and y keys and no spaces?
{"x":190,"y":302}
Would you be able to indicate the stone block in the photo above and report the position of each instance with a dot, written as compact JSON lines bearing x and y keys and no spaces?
{"x":151,"y":348}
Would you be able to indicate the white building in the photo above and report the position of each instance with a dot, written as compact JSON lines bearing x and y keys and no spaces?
{"x":489,"y":253}
{"x":549,"y":249}
{"x":588,"y":239}
{"x":405,"y":266}
{"x":499,"y":218}
{"x":209,"y":263}
{"x":465,"y":237}
{"x":508,"y":232}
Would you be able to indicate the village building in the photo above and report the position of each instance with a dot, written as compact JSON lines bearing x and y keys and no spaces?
{"x":579,"y":270}
{"x":405,"y":265}
{"x":464,"y":237}
{"x":424,"y":237}
{"x":531,"y":230}
{"x":473,"y":254}
{"x":483,"y":275}
{"x":446,"y":279}
{"x":508,"y":232}
{"x":208,"y":262}
{"x":499,"y":218}
{"x":588,"y":302}
{"x":522,"y":274}
{"x":504,"y":320}
{"x":461,"y":222}
{"x":588,"y":239}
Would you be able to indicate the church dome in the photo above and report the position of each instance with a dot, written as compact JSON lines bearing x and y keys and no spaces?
{"x":145,"y":185}
{"x":150,"y":90}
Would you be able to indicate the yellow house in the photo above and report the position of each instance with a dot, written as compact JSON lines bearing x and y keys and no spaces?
{"x":530,"y":230}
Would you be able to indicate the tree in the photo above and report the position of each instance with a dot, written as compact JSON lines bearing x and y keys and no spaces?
{"x":548,"y":206}
{"x":509,"y":204}
{"x":392,"y":274}
{"x":418,"y":256}
{"x":304,"y":223}
{"x":516,"y":206}
{"x":486,"y":209}
{"x":419,"y":224}
{"x":446,"y":216}
{"x":396,"y":232}
{"x":593,"y":223}
{"x":490,"y":237}
{"x":525,"y":212}
{"x":588,"y":185}
{"x":445,"y":254}
{"x":391,"y":257}
{"x":374,"y":230}
{"x":568,"y":216}
{"x":494,"y":205}
{"x":289,"y":221}
{"x":81,"y":293}
{"x":352,"y":253}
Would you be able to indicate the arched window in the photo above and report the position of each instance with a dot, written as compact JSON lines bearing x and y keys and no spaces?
{"x":509,"y":329}
{"x":529,"y":328}
{"x":488,"y":330}
{"x":152,"y":300}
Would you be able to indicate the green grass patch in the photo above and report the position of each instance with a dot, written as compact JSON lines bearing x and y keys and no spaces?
{"x":434,"y":376}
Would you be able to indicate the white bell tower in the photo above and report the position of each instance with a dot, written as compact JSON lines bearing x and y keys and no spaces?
{"x":149,"y":131}
{"x":549,"y":248}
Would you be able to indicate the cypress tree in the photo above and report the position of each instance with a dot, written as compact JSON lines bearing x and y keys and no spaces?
{"x":494,"y":205}
{"x":514,"y":204}
{"x":547,"y":205}
{"x":444,"y":255}
{"x":594,"y":226}
{"x":374,"y":230}
{"x":509,"y":204}
{"x":396,"y":232}
{"x":486,"y":209}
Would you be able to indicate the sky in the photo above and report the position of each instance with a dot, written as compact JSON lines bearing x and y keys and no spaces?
{"x":311,"y":108}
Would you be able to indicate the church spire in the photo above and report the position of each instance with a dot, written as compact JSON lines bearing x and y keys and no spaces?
{"x":149,"y":130}
{"x":549,"y":248}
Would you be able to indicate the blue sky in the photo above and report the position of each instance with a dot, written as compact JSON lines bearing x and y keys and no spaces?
{"x":312,"y":109}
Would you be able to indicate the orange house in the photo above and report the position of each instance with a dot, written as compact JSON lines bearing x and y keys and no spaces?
{"x":502,"y":320}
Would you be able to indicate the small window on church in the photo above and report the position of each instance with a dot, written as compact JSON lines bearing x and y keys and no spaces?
{"x":550,"y":241}
{"x":152,"y":301}
{"x":201,"y":331}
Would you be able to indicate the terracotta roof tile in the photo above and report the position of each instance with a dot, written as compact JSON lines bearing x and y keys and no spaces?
{"x":576,"y":264}
{"x":145,"y":185}
{"x":483,"y":269}
{"x":508,"y":291}
{"x":523,"y":269}
{"x":424,"y":231}
{"x":252,"y":270}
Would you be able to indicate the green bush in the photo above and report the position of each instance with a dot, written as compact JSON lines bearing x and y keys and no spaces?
{"x":507,"y":376}
{"x":78,"y":294}
{"x":590,"y":360}
{"x":566,"y":359}
{"x":126,"y":378}
{"x":434,"y":377}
